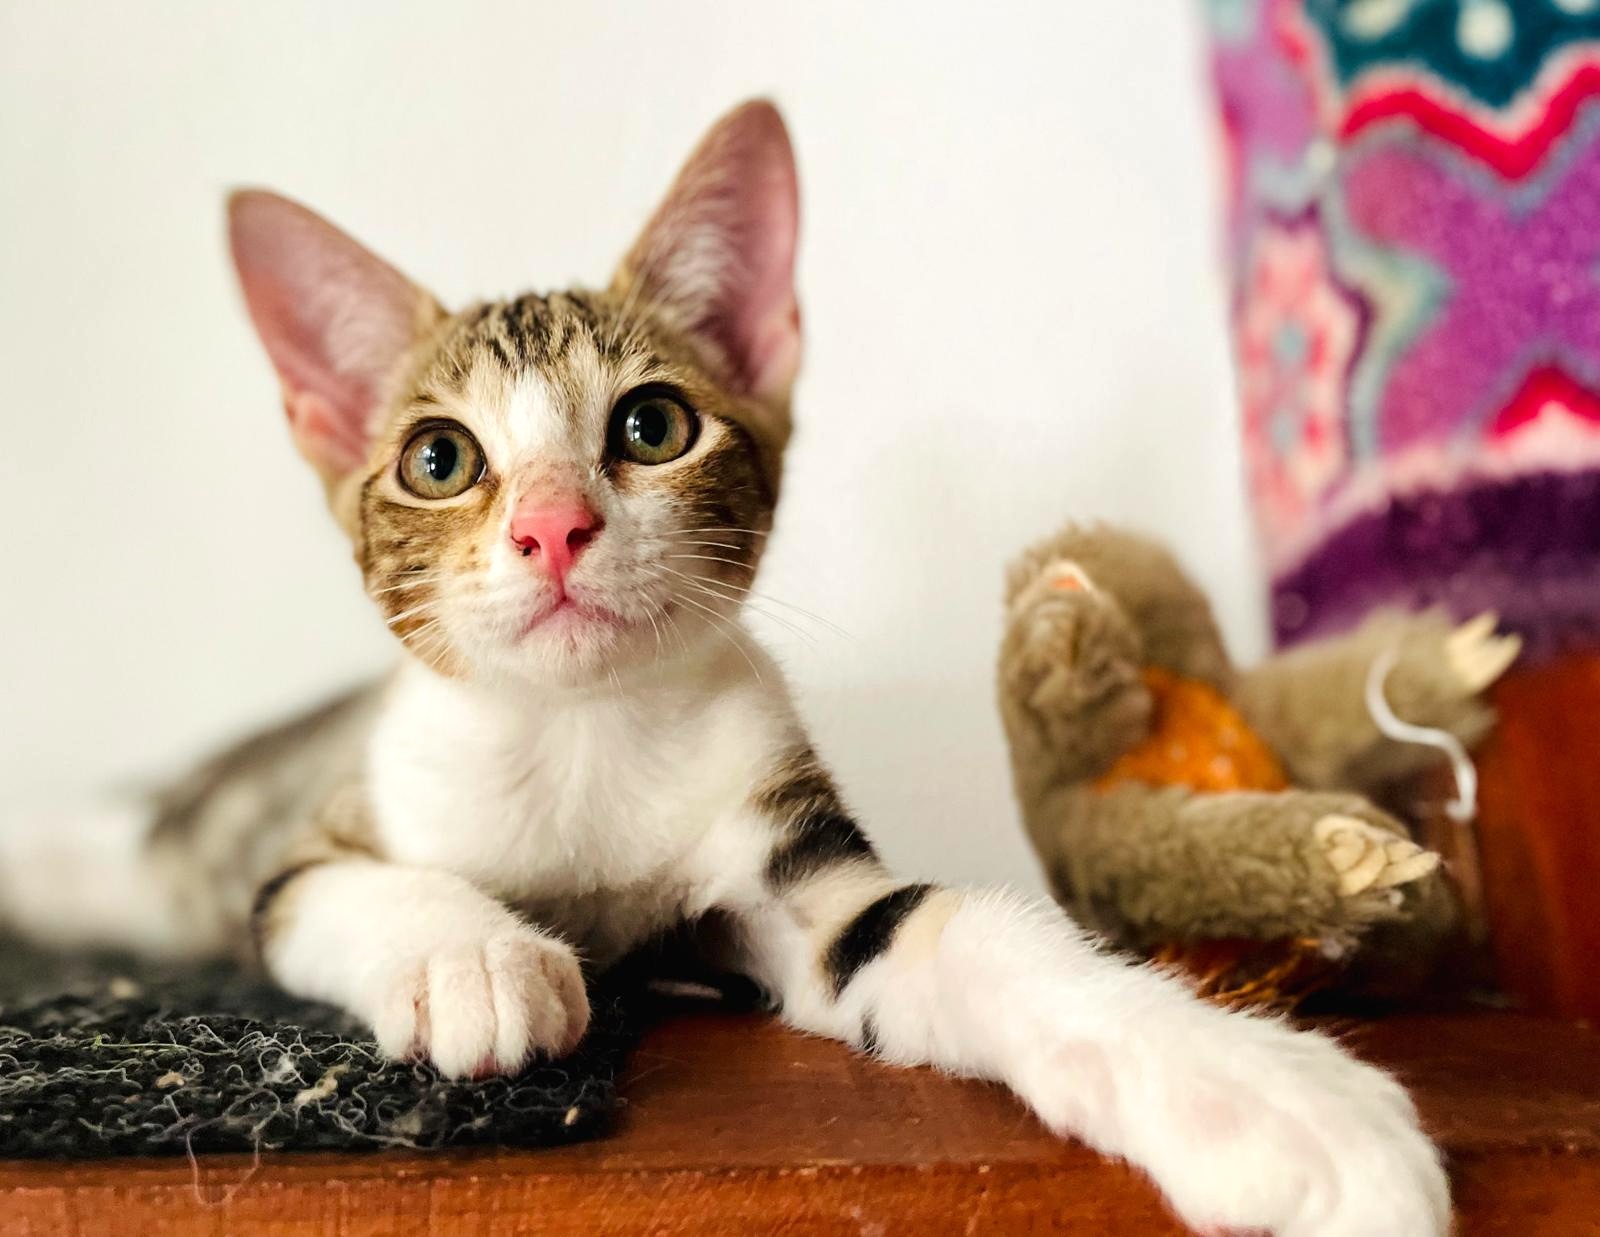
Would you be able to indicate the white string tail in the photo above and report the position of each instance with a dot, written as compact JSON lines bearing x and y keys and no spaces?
{"x":1465,"y":805}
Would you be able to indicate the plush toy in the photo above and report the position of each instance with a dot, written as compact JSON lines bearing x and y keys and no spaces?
{"x":1413,"y":249}
{"x":1223,"y":820}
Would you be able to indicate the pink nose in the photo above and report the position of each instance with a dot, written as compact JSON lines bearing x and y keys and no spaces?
{"x":555,"y":533}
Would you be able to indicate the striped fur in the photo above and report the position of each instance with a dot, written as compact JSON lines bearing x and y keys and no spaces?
{"x":868,"y":936}
{"x":815,"y":831}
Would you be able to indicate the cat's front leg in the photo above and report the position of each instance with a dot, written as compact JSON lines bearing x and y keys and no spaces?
{"x":438,"y":969}
{"x":1242,"y":1122}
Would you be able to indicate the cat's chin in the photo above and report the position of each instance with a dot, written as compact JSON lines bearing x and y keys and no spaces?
{"x":576,"y":642}
{"x":566,"y":646}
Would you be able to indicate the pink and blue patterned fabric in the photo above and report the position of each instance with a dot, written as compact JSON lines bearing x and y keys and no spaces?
{"x":1414,"y":227}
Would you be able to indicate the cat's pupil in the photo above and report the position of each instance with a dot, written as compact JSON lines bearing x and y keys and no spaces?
{"x":650,"y":425}
{"x":439,"y":458}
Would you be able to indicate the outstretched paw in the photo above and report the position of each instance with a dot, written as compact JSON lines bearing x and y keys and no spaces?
{"x":1276,"y":1131}
{"x":1245,"y":1124}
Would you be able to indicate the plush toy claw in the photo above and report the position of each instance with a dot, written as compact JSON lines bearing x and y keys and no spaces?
{"x":1060,"y":576}
{"x":1369,"y":858}
{"x":1478,"y":654}
{"x":1068,"y":577}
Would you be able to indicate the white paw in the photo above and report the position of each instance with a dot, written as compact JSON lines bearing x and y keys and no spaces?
{"x":1476,"y":655}
{"x":1247,"y":1125}
{"x":1366,"y":857}
{"x":483,"y":1007}
{"x":1303,"y":1141}
{"x":1244,"y":1123}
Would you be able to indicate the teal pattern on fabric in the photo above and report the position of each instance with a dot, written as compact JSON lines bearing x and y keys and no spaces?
{"x":1490,"y":49}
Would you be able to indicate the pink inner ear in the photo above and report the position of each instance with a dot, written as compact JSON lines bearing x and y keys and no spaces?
{"x":335,"y":320}
{"x":721,"y":248}
{"x":766,"y":326}
{"x":322,"y":433}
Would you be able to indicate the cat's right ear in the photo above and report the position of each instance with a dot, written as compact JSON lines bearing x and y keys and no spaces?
{"x":719,"y":252}
{"x":336,"y":320}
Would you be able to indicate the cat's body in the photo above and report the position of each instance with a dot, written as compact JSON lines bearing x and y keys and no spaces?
{"x":559,"y":503}
{"x":536,"y":775}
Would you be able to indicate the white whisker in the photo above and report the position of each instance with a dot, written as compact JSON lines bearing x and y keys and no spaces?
{"x":671,"y":625}
{"x":715,"y":558}
{"x":757,"y":595}
{"x":719,"y":545}
{"x":718,"y":619}
{"x":413,"y":612}
{"x":707,"y":587}
{"x":416,"y":581}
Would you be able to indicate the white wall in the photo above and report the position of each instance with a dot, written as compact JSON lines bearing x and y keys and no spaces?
{"x":1009,"y":277}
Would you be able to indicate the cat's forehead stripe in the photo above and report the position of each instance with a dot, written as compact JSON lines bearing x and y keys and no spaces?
{"x":575,"y":344}
{"x":533,"y":331}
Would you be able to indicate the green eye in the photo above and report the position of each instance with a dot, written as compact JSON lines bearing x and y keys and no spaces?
{"x":441,"y":461}
{"x":651,"y":426}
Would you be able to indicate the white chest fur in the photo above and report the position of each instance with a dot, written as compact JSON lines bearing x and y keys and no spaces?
{"x":552,"y":798}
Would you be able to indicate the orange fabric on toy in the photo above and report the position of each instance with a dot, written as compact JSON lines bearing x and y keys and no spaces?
{"x":1197,"y":739}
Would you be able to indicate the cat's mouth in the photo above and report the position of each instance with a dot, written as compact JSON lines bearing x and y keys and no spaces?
{"x":570,"y":614}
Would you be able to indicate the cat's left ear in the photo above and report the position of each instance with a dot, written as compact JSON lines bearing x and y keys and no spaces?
{"x":337,"y":321}
{"x":718,"y":255}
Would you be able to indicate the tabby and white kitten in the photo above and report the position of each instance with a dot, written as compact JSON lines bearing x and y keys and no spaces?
{"x":558,"y":502}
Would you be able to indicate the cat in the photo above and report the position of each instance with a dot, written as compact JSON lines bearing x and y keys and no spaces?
{"x":558,"y":503}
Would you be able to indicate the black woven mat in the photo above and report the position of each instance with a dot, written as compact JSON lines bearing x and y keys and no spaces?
{"x":102,"y":1058}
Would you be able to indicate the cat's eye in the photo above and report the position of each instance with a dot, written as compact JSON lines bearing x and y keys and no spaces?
{"x":441,"y":461}
{"x":651,"y":425}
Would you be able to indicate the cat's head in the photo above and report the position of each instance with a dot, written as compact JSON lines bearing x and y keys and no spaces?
{"x":554,"y":487}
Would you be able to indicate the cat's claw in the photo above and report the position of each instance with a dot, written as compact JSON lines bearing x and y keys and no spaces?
{"x":1366,"y":857}
{"x":1477,"y":655}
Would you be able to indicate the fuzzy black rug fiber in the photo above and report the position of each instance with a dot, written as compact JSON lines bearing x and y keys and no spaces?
{"x":102,"y":1058}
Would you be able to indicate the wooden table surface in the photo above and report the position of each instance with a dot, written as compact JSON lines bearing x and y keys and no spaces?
{"x":735,"y":1125}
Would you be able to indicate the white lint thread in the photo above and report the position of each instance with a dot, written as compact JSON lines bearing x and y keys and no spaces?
{"x":1465,"y":805}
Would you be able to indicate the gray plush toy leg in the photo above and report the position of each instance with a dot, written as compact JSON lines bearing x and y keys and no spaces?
{"x":1150,"y":864}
